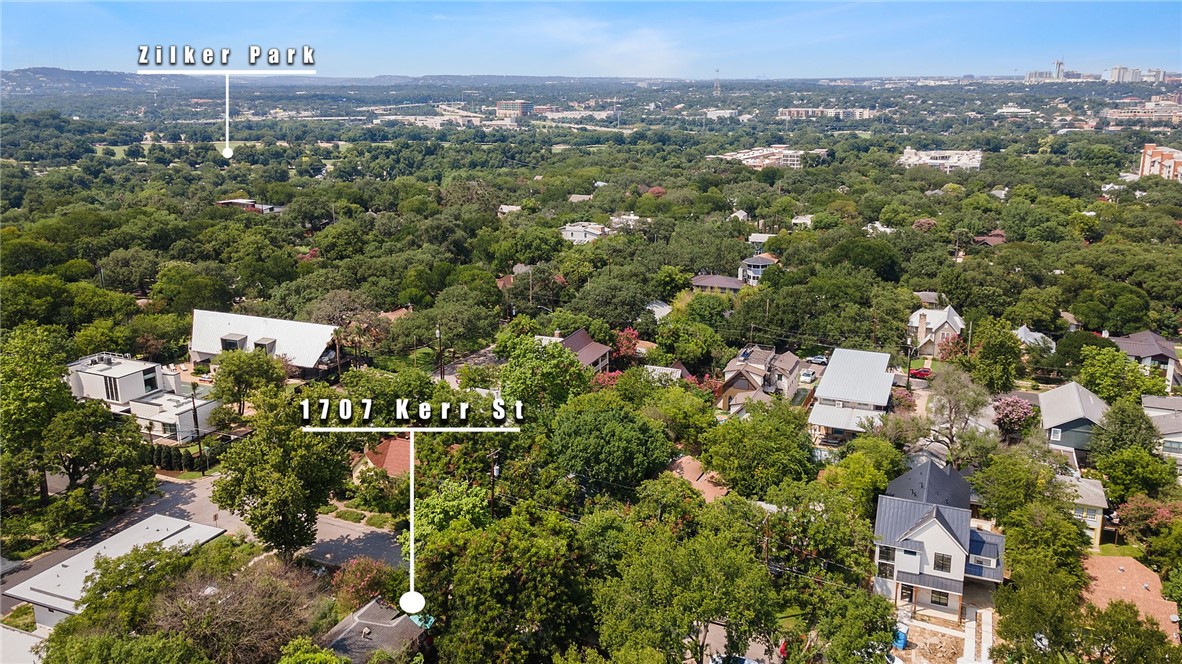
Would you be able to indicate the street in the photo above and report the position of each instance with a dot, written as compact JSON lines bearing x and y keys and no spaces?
{"x":336,"y":540}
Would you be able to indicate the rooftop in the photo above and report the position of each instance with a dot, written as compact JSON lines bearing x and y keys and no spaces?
{"x":717,"y":281}
{"x":857,"y":375}
{"x":707,"y":483}
{"x":371,"y":628}
{"x":929,"y":483}
{"x":110,"y":364}
{"x":302,"y":343}
{"x":1124,"y":578}
{"x":1090,"y":492}
{"x":1070,"y":402}
{"x":60,"y":587}
{"x":1145,"y":344}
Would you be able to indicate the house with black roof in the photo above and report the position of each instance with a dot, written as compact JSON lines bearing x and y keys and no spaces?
{"x":927,"y":550}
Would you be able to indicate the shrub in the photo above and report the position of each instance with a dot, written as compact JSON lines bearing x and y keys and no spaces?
{"x":360,"y":580}
{"x":379,"y":520}
{"x":326,"y":509}
{"x":350,"y":515}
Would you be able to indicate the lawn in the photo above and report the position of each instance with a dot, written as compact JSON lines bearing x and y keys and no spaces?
{"x":195,"y":474}
{"x":21,"y":618}
{"x":918,"y":363}
{"x":423,"y":358}
{"x":1129,"y":550}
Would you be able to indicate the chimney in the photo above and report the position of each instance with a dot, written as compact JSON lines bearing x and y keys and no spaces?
{"x":558,"y":333}
{"x":921,"y":331}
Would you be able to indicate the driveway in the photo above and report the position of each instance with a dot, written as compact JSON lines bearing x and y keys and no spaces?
{"x":336,"y":540}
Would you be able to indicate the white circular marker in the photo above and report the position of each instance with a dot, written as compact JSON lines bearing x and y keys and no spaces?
{"x":412,"y":602}
{"x":228,"y":152}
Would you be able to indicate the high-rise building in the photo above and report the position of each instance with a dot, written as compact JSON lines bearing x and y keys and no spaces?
{"x":1123,"y":74}
{"x":514,"y":109}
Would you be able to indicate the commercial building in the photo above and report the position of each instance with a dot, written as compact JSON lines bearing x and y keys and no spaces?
{"x":153,"y":394}
{"x":56,"y":592}
{"x":779,"y":156}
{"x":1122,"y":74}
{"x":945,"y":160}
{"x":1153,"y":111}
{"x":843,"y":113}
{"x":514,"y":109}
{"x":1163,"y":161}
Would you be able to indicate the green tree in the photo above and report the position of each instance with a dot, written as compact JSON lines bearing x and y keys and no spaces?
{"x":96,"y":449}
{"x":1014,"y":478}
{"x":857,"y":477}
{"x":240,"y":372}
{"x":754,"y":454}
{"x":278,"y":477}
{"x":1125,"y":425}
{"x":102,"y":336}
{"x":452,"y":501}
{"x":670,"y":591}
{"x":1134,"y":470}
{"x":1038,"y":613}
{"x":127,"y":649}
{"x":857,"y":627}
{"x":669,"y":281}
{"x":1039,"y":530}
{"x":183,"y":288}
{"x":543,"y":376}
{"x":608,"y":448}
{"x":997,"y":355}
{"x":955,"y":401}
{"x":1117,"y":634}
{"x":303,"y":650}
{"x":1111,"y":375}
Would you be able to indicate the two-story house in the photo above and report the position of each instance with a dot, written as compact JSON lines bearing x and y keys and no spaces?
{"x":855,"y":388}
{"x":1069,"y":414}
{"x":1166,"y":414}
{"x":928,"y":327}
{"x":582,"y":232}
{"x":1090,"y":503}
{"x":752,"y":269}
{"x":717,"y":284}
{"x":926,"y":550}
{"x":754,"y":374}
{"x":1152,"y":350}
{"x":153,"y":394}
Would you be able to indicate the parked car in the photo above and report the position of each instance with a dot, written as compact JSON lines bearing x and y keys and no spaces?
{"x":922,"y":372}
{"x":817,"y":359}
{"x":807,"y":376}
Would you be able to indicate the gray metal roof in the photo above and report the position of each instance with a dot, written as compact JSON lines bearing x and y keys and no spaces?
{"x":1070,"y":402}
{"x":1151,"y":402}
{"x":1090,"y":492}
{"x":940,"y":583}
{"x":928,"y":483}
{"x":301,"y":343}
{"x":1168,"y":424}
{"x":857,"y":375}
{"x":388,"y":629}
{"x":1146,"y":344}
{"x":897,"y":516}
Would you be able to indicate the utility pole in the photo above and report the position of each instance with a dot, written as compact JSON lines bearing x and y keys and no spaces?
{"x":439,"y":338}
{"x":494,"y":471}
{"x":197,"y":424}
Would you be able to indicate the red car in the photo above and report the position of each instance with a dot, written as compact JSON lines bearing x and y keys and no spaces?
{"x":922,"y":372}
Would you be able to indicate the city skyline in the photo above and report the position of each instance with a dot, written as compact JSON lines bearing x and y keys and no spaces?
{"x":651,"y":40}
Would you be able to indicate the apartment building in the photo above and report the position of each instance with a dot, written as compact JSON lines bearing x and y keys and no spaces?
{"x":843,"y":113}
{"x":1163,"y":161}
{"x":514,"y":109}
{"x":778,"y":156}
{"x":945,"y":160}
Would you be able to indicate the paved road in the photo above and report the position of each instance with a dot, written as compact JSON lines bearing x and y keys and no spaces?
{"x":336,"y":540}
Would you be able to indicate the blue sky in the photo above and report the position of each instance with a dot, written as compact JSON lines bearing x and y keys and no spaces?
{"x":669,"y":39}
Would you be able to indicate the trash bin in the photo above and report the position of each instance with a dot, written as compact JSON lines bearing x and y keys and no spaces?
{"x":901,"y":636}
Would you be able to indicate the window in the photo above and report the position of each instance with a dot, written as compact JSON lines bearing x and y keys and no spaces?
{"x":1056,"y":434}
{"x":1079,"y":511}
{"x":886,"y":570}
{"x":886,"y":554}
{"x":112,"y":388}
{"x":1091,"y":513}
{"x":943,"y":562}
{"x":910,"y":553}
{"x":939,"y":598}
{"x":169,"y":429}
{"x":907,"y":593}
{"x":150,"y":383}
{"x":1172,"y":447}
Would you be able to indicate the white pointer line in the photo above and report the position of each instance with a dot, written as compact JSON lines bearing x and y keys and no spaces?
{"x":411,"y":429}
{"x":227,"y":72}
{"x":412,"y":511}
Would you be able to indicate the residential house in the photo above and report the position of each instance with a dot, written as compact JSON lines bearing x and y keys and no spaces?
{"x":1152,"y":350}
{"x":717,"y":284}
{"x":1069,"y":413}
{"x":741,"y":215}
{"x":505,"y":210}
{"x":753,"y":268}
{"x":929,"y":327}
{"x":802,"y":221}
{"x":757,"y":240}
{"x":250,"y":205}
{"x":307,"y":347}
{"x":929,"y":299}
{"x":375,"y":627}
{"x":927,"y":550}
{"x":756,"y":373}
{"x":578,"y":198}
{"x":590,"y":352}
{"x":1030,"y":339}
{"x":666,"y":375}
{"x":391,"y":455}
{"x":1166,"y":414}
{"x":855,"y":388}
{"x":154,"y":395}
{"x":582,"y":232}
{"x":660,"y":309}
{"x":991,"y":239}
{"x":1090,"y":503}
{"x":56,"y":592}
{"x":1069,"y":318}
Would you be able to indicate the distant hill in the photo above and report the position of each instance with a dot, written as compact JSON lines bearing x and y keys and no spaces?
{"x":50,"y":80}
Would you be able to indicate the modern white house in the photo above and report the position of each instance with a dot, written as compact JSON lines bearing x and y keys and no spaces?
{"x":752,"y":268}
{"x":306,"y":346}
{"x":855,"y":388}
{"x":153,"y":394}
{"x":582,"y":232}
{"x":56,"y":592}
{"x":927,"y":550}
{"x":929,"y":327}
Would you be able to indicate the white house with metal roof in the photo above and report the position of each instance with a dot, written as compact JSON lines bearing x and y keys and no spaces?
{"x":1031,"y":338}
{"x":927,"y":550}
{"x":56,"y":592}
{"x":855,"y":388}
{"x":304,"y":345}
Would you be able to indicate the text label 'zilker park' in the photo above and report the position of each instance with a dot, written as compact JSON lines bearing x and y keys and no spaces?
{"x":189,"y":56}
{"x":404,"y":410}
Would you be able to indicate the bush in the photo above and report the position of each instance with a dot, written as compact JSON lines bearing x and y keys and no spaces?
{"x":379,"y":520}
{"x":21,"y":618}
{"x":350,"y":515}
{"x":326,"y":509}
{"x":361,"y":579}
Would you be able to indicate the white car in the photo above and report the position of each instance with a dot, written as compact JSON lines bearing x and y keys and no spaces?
{"x":807,"y":376}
